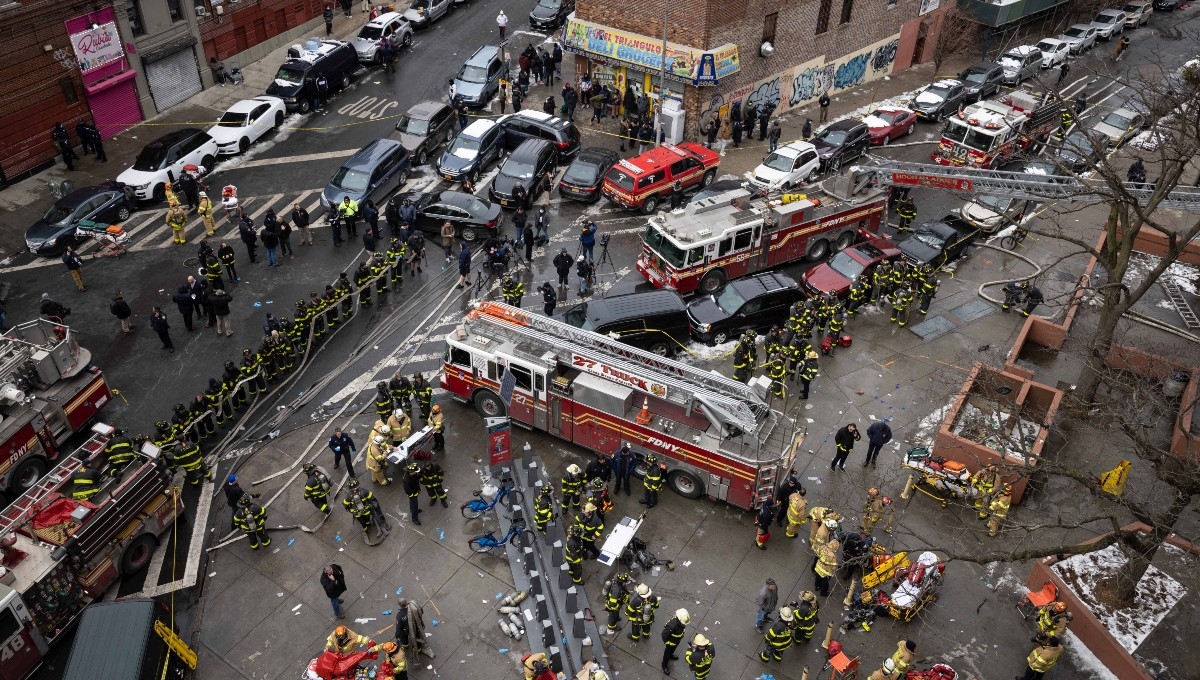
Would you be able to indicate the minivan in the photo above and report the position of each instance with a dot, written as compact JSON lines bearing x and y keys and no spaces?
{"x":981,"y":80}
{"x":296,"y":81}
{"x":479,"y":78}
{"x":117,"y":641}
{"x":655,"y":320}
{"x":374,"y":172}
{"x":472,"y":151}
{"x":1020,"y":63}
{"x":389,"y":26}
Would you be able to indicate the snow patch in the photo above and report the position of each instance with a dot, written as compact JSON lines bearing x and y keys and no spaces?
{"x":987,"y":429}
{"x":927,"y":427}
{"x":1178,"y":273}
{"x":1086,"y":661}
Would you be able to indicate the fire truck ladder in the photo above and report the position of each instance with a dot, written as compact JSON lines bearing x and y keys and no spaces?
{"x":1017,"y":185}
{"x":734,"y":401}
{"x":1180,"y":303}
{"x":22,"y":510}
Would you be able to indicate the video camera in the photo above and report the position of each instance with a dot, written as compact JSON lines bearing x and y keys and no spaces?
{"x":604,"y":238}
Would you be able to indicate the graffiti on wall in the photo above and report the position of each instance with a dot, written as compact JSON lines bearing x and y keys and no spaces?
{"x":808,"y":84}
{"x":884,"y":55}
{"x":766,"y":94}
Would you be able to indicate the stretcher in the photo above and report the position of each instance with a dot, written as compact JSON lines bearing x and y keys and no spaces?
{"x":940,"y":479}
{"x":111,"y":239}
{"x":917,"y":585}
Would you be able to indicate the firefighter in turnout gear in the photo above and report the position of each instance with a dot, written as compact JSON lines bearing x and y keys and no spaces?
{"x":395,"y":258}
{"x":252,"y":368}
{"x":344,"y":641}
{"x":828,"y":559}
{"x":118,"y":453}
{"x":285,"y":351}
{"x":616,"y":596}
{"x":205,"y":425}
{"x":316,"y":314}
{"x":591,"y":526}
{"x":573,"y":554}
{"x":984,"y":481}
{"x":773,"y":342}
{"x":928,"y":288}
{"x":411,"y":481}
{"x":887,"y":671}
{"x":438,"y":422}
{"x":905,"y":654}
{"x":401,"y":391}
{"x":571,"y":486}
{"x":805,"y":614}
{"x":383,"y":401}
{"x":877,"y":507}
{"x":399,"y":427}
{"x":596,"y":493}
{"x":181,"y":419}
{"x":512,"y":290}
{"x":432,"y":477}
{"x":795,"y":320}
{"x":251,"y":518}
{"x":379,"y":270}
{"x":424,"y":394}
{"x":362,"y":281}
{"x":1031,"y":296}
{"x":360,"y":503}
{"x":317,"y":487}
{"x":302,"y":323}
{"x":543,"y":509}
{"x":333,"y":313}
{"x":85,"y":483}
{"x":797,"y":512}
{"x":215,"y":400}
{"x":191,"y":460}
{"x":836,"y":325}
{"x":744,"y":358}
{"x":777,"y":372}
{"x":1052,"y":620}
{"x":808,"y":373}
{"x":231,"y":379}
{"x":1065,"y":122}
{"x":640,"y":612}
{"x":880,"y":280}
{"x":672,"y":635}
{"x":653,"y":481}
{"x":377,"y":461}
{"x":998,"y":510}
{"x":778,"y":637}
{"x":345,"y":291}
{"x":906,"y":210}
{"x":858,"y":295}
{"x":164,"y":435}
{"x":699,"y":656}
{"x":901,"y":299}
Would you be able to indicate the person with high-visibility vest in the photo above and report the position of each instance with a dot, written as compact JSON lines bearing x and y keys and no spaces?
{"x":432,"y":477}
{"x":672,"y":635}
{"x":806,"y":615}
{"x":998,"y":510}
{"x":317,"y":487}
{"x":177,"y":221}
{"x":778,"y":637}
{"x":85,"y":483}
{"x":543,"y":509}
{"x":251,"y":518}
{"x":205,"y":210}
{"x":344,"y":641}
{"x":438,"y":422}
{"x":828,"y":561}
{"x":984,"y":481}
{"x":573,"y":554}
{"x":652,"y":481}
{"x":699,"y":656}
{"x":1042,"y":659}
{"x":616,"y":596}
{"x":797,"y":512}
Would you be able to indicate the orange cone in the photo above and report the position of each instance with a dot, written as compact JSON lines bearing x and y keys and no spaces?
{"x":644,"y":417}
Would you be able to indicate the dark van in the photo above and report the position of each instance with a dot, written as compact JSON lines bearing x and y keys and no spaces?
{"x":118,"y":641}
{"x":655,"y":320}
{"x":296,"y":81}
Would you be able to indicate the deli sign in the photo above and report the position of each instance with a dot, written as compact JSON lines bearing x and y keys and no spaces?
{"x":97,"y":46}
{"x":618,"y":376}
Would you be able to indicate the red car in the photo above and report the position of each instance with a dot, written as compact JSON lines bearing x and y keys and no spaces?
{"x":844,"y":268}
{"x":888,"y":123}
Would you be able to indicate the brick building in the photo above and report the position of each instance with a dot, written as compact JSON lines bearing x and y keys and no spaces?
{"x":722,"y":52}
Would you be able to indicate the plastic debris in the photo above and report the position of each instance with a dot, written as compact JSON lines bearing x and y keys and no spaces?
{"x":212,"y":574}
{"x":257,"y":303}
{"x":297,"y":607}
{"x":386,"y":612}
{"x":275,"y":551}
{"x":503,"y":650}
{"x":400,"y":590}
{"x":441,"y":534}
{"x":337,"y":537}
{"x":709,"y":581}
{"x":499,"y":595}
{"x":278,"y":594}
{"x":365,"y":620}
{"x":291,"y":541}
{"x":434,"y":623}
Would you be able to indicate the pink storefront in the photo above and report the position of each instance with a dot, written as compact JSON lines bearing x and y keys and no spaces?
{"x":107,"y":76}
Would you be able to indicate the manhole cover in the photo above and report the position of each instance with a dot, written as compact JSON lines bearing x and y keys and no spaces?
{"x":932,"y":327}
{"x":975,"y":309}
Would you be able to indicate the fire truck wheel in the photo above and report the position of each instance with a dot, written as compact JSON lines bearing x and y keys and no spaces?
{"x":685,"y":484}
{"x":137,"y":554}
{"x":712,"y":282}
{"x":845,"y":240}
{"x":817,"y":250}
{"x":27,"y":474}
{"x":488,"y":404}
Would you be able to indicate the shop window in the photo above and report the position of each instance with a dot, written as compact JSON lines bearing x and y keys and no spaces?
{"x":174,"y":9}
{"x":134,"y":12}
{"x":68,"y":90}
{"x":823,"y":16}
{"x":769,"y":23}
{"x":847,"y":10}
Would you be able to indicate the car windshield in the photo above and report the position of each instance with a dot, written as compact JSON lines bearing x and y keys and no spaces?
{"x":577,"y":317}
{"x":350,"y":180}
{"x":729,"y":300}
{"x":846,"y":265}
{"x":833,"y":137}
{"x":420,"y":4}
{"x":473,"y":74}
{"x":994,"y":203}
{"x":661,"y":246}
{"x":928,"y":237}
{"x":975,"y":77}
{"x":464,"y":147}
{"x":1117,"y":120}
{"x":1075,"y":32}
{"x":1048,"y":47}
{"x":58,"y":213}
{"x":413,"y":126}
{"x":1105,"y":19}
{"x":286,"y":76}
{"x":889,"y":117}
{"x":370,"y":32}
{"x":581,"y":171}
{"x":517,"y":169}
{"x":777,"y":162}
{"x":151,"y":158}
{"x":233,"y":120}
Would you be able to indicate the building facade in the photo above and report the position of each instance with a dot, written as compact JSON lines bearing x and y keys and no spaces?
{"x":785,"y":53}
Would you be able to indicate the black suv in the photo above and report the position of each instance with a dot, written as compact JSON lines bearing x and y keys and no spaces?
{"x":842,"y":141}
{"x":550,"y":13}
{"x":755,"y":302}
{"x":530,"y":124}
{"x":524,"y":167}
{"x":936,"y":101}
{"x":981,"y":80}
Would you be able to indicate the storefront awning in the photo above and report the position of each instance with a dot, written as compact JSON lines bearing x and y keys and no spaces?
{"x":684,"y":64}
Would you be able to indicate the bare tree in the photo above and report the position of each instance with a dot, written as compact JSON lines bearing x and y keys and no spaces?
{"x":957,"y":33}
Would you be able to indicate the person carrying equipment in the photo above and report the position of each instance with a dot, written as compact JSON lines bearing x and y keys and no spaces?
{"x":251,"y":518}
{"x":317,"y":487}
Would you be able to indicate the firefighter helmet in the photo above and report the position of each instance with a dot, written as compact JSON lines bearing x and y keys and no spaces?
{"x":597,"y":484}
{"x":683,"y":616}
{"x":812,"y":354}
{"x":573,"y":469}
{"x":574,"y":530}
{"x":1058,"y":607}
{"x":590,"y":507}
{"x":378,"y":439}
{"x":700,"y":640}
{"x":831,"y":523}
{"x":413,"y":467}
{"x":385,"y":430}
{"x":244,"y":501}
{"x":352,"y":484}
{"x":162,"y":425}
{"x":809,"y":596}
{"x":389,"y":647}
{"x":309,"y":468}
{"x":598,"y":674}
{"x":381,"y":386}
{"x":341,"y":633}
{"x":651,"y":459}
{"x":873,"y":492}
{"x":643,"y":590}
{"x":436,"y":409}
{"x":545,"y":491}
{"x":889,"y":666}
{"x":624,"y":577}
{"x":785,"y":613}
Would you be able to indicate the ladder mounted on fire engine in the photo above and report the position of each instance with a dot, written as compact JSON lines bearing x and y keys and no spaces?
{"x":1016,"y":184}
{"x":736,"y":402}
{"x":33,"y":501}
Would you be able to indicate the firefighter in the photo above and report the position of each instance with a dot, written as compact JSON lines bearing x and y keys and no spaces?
{"x":898,"y":276}
{"x":597,"y":495}
{"x":181,"y":421}
{"x":751,"y":350}
{"x":806,"y":619}
{"x":215,"y":400}
{"x":267,"y":359}
{"x":359,"y":503}
{"x":887,"y":671}
{"x":773,"y":341}
{"x":640,"y":612}
{"x":1065,"y":122}
{"x":818,"y":515}
{"x":285,"y":351}
{"x":438,"y":422}
{"x":928,"y":288}
{"x":836,"y":325}
{"x":573,"y":554}
{"x":362,"y":281}
{"x":653,"y":481}
{"x":672,"y":635}
{"x":333,"y":313}
{"x":251,"y":369}
{"x":395,"y":258}
{"x":317,"y":487}
{"x":571,"y":486}
{"x":797,"y":349}
{"x":543,"y":509}
{"x":1012,"y":295}
{"x":1042,"y":659}
{"x":777,"y":372}
{"x":906,"y":210}
{"x":164,"y":435}
{"x":591,"y":526}
{"x":778,"y":637}
{"x":316,"y":311}
{"x":394,"y":665}
{"x":700,"y":656}
{"x":797,"y":512}
{"x":203,"y":417}
{"x":191,"y":460}
{"x":302,"y":323}
{"x":512,"y":290}
{"x":399,"y":427}
{"x":828,"y":563}
{"x":402,"y":392}
{"x":905,"y":654}
{"x":118,"y":453}
{"x":345,"y":292}
{"x":808,"y":373}
{"x":232,"y":380}
{"x":879,"y":282}
{"x":424,"y":394}
{"x":796,"y":314}
{"x":344,"y":641}
{"x":825,"y":529}
{"x":379,"y":270}
{"x":85,"y":483}
{"x":1031,"y":296}
{"x":857,"y":296}
{"x":901,"y":299}
{"x":1052,"y":621}
{"x":984,"y":481}
{"x":251,"y":518}
{"x":873,"y":512}
{"x":432,"y":476}
{"x":998,"y":510}
{"x":411,"y":482}
{"x":616,"y":596}
{"x":383,"y":401}
{"x":377,"y":461}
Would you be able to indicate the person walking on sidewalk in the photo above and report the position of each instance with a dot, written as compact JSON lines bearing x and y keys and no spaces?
{"x":343,"y":449}
{"x":75,"y":266}
{"x":878,"y":435}
{"x":327,"y":14}
{"x":823,"y":102}
{"x":502,"y":23}
{"x":844,"y":440}
{"x":121,"y":310}
{"x":158,"y":323}
{"x":333,"y":580}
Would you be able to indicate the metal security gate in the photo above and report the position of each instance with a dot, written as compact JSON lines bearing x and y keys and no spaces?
{"x":173,"y":79}
{"x":115,"y":106}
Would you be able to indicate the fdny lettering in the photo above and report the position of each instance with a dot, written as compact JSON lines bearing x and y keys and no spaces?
{"x":666,"y":446}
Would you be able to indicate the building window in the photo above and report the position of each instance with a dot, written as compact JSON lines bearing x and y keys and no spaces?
{"x":823,"y":16}
{"x":134,"y":13}
{"x":769,"y":27}
{"x":173,"y":8}
{"x":847,"y":10}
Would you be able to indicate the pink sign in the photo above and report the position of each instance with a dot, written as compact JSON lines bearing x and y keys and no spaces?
{"x":96,"y":47}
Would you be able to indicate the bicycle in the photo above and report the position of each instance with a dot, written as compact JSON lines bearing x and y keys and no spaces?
{"x":477,"y":506}
{"x":1014,"y":239}
{"x":518,"y":534}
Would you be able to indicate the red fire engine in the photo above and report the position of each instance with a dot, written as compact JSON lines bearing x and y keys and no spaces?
{"x":58,"y":554}
{"x":724,"y":237}
{"x":989,"y":133}
{"x":48,"y":391}
{"x":717,"y":436}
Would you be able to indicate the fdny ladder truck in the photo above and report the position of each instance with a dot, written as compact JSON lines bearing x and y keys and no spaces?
{"x":717,"y":437}
{"x":988,"y":133}
{"x":58,"y":554}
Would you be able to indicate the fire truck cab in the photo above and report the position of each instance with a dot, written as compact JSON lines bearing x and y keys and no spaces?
{"x":989,"y":133}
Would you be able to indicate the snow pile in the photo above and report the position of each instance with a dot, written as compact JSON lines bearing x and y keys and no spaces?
{"x":988,"y":429}
{"x":1180,"y":274}
{"x":1156,"y":595}
{"x":927,"y":427}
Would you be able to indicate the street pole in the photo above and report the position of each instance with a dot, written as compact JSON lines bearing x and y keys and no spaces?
{"x":662,"y":76}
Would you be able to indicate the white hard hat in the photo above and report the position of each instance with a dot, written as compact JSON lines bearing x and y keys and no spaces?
{"x":831,"y":523}
{"x":785,"y":613}
{"x":385,"y":430}
{"x":888,"y":665}
{"x":598,"y":674}
{"x":683,"y":616}
{"x":643,"y":590}
{"x":573,"y":469}
{"x":378,"y":439}
{"x":400,"y":413}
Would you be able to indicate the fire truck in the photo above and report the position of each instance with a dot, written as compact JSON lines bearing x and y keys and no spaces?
{"x":727,"y":236}
{"x":57,"y":554}
{"x":717,"y":437}
{"x":988,"y":133}
{"x":49,"y":390}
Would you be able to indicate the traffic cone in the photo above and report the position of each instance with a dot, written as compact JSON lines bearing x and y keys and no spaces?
{"x":644,"y":417}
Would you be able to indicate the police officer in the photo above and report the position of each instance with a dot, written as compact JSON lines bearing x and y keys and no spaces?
{"x":653,"y":481}
{"x":543,"y":508}
{"x":623,"y":462}
{"x":571,"y":485}
{"x":317,"y":487}
{"x":573,"y":554}
{"x":411,"y":481}
{"x":616,"y":596}
{"x":640,"y":612}
{"x":251,"y":518}
{"x":432,"y":477}
{"x":512,"y":290}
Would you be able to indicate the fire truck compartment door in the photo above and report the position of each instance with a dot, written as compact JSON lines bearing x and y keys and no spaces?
{"x":527,"y":406}
{"x":560,"y":419}
{"x":718,"y":487}
{"x":19,"y":639}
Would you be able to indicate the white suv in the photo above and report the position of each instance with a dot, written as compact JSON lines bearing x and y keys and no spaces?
{"x":787,"y":167}
{"x":391,"y":26}
{"x":1109,"y":23}
{"x":1054,"y":51}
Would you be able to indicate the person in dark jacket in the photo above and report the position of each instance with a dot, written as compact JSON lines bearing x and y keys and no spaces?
{"x":464,"y":266}
{"x":844,"y":440}
{"x":519,"y":218}
{"x":737,"y":132}
{"x":186,"y":303}
{"x":789,"y":486}
{"x":562,"y":265}
{"x":806,"y":132}
{"x":121,"y":310}
{"x":343,"y":449}
{"x":270,"y":240}
{"x":371,"y":217}
{"x":233,"y":495}
{"x":220,"y":302}
{"x":333,"y":581}
{"x":762,"y":523}
{"x":549,"y":298}
{"x":623,"y":462}
{"x":158,"y":323}
{"x":62,"y":141}
{"x":51,"y":309}
{"x":246,"y":232}
{"x":528,"y":238}
{"x":878,"y":434}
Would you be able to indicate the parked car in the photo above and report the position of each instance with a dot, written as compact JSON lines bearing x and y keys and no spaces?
{"x":990,"y":213}
{"x":981,"y":80}
{"x":295,"y":81}
{"x":1109,"y":23}
{"x":56,"y":228}
{"x":1079,"y":151}
{"x":1042,"y":168}
{"x":939,"y":243}
{"x":841,"y":271}
{"x":1020,"y":63}
{"x":1054,"y":51}
{"x":889,"y":122}
{"x":646,"y":180}
{"x":479,"y":78}
{"x":654,"y":320}
{"x":583,"y":177}
{"x":1137,"y":12}
{"x":425,"y":127}
{"x":755,"y":302}
{"x":1079,"y":37}
{"x":532,"y":124}
{"x":372,"y":173}
{"x":245,"y":122}
{"x":473,"y":218}
{"x":936,"y":101}
{"x":787,"y":166}
{"x":840,"y":142}
{"x":524,"y":167}
{"x":389,"y":26}
{"x":1117,"y":127}
{"x":1166,"y":5}
{"x":422,"y":13}
{"x":472,"y":150}
{"x":162,"y":161}
{"x":550,"y":13}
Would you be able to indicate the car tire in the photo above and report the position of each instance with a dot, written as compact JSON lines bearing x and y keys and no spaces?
{"x":407,"y":41}
{"x":474,"y":176}
{"x":786,"y":186}
{"x":159,"y":193}
{"x":708,"y":178}
{"x":468,"y":234}
{"x":911,"y":128}
{"x":422,"y":156}
{"x":662,"y":349}
{"x":208,"y":162}
{"x":345,"y":81}
{"x":304,"y":107}
{"x":278,"y":119}
{"x":712,"y":281}
{"x":887,"y":139}
{"x":243,"y":145}
{"x":402,"y":177}
{"x":719,"y":338}
{"x":650,"y":205}
{"x":123,"y":213}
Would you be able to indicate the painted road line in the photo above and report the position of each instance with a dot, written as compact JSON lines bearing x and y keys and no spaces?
{"x":195,"y":550}
{"x":301,"y":158}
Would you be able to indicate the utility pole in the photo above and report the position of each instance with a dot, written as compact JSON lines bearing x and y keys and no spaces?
{"x":662,"y":76}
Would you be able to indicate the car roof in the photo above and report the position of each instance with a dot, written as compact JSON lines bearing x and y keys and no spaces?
{"x":542,"y":117}
{"x":456,"y":198}
{"x":370,"y":154}
{"x":111,"y":640}
{"x":482,"y":56}
{"x":1126,"y":111}
{"x":630,"y":305}
{"x":425,"y":109}
{"x":175,"y":136}
{"x":81,"y":194}
{"x":893,"y":109}
{"x":530,"y":148}
{"x":1022,"y":50}
{"x":478,"y":127}
{"x":873,"y":249}
{"x":657,"y":158}
{"x":845,"y":124}
{"x":1052,"y":41}
{"x":795,"y":148}
{"x":945,"y":83}
{"x":982,"y":66}
{"x":246,"y":105}
{"x":768,"y":282}
{"x":1109,"y":12}
{"x":598,"y":155}
{"x":385,"y":18}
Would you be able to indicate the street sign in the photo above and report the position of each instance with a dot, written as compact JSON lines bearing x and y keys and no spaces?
{"x":933,"y":181}
{"x":499,"y":442}
{"x":507,"y":384}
